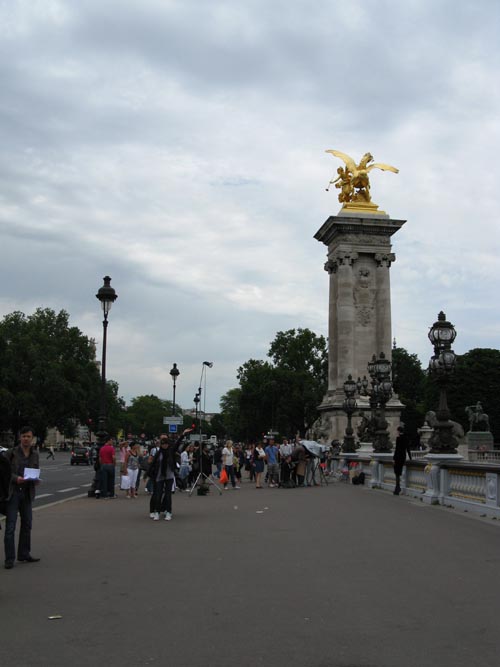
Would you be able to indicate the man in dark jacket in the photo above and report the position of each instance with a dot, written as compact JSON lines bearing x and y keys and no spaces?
{"x":402,"y":448}
{"x":162,"y":472}
{"x":21,"y":496}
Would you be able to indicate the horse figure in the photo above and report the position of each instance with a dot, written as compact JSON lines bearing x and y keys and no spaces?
{"x":478,"y":420}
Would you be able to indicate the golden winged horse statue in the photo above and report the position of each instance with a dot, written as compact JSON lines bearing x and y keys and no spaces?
{"x":353,"y":181}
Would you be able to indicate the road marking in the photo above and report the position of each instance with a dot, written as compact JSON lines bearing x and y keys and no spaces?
{"x":71,"y":488}
{"x":83,"y":486}
{"x":43,"y":495}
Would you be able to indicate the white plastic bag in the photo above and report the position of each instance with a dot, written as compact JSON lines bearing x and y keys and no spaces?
{"x":124,"y":482}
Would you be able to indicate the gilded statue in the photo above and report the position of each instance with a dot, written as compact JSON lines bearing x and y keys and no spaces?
{"x":353,"y":181}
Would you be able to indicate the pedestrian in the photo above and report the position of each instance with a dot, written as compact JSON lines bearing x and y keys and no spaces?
{"x":402,"y":448}
{"x":131,"y":468}
{"x":273,"y":471}
{"x":238,"y":462}
{"x":21,"y":497}
{"x":107,"y":461}
{"x":228,"y":462}
{"x":218,"y":461}
{"x":162,"y":472}
{"x":51,"y":454}
{"x":184,"y":470}
{"x":299,"y":459}
{"x":258,"y":461}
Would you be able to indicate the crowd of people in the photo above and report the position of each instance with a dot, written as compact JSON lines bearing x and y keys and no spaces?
{"x":170,"y":464}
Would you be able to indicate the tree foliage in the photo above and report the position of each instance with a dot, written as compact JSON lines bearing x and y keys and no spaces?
{"x":410,"y":384}
{"x":281,"y":394}
{"x":145,"y":415}
{"x":476,"y":378}
{"x":48,"y":374}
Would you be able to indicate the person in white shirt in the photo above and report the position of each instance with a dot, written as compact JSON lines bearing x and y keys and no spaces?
{"x":227,"y":462}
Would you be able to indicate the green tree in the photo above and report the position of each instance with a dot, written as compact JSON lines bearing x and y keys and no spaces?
{"x":301,"y":363}
{"x":409,"y":383}
{"x":48,"y":373}
{"x":282,"y":394}
{"x":145,"y":415}
{"x":476,"y":378}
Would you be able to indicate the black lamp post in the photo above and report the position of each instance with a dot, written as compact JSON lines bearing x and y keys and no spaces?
{"x":379,"y":370}
{"x":349,"y":407}
{"x":196,"y":400}
{"x":174,"y":372}
{"x":107,"y":296}
{"x":441,"y":366}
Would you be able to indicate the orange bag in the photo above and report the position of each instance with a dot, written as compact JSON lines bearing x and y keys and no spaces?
{"x":223,"y":479}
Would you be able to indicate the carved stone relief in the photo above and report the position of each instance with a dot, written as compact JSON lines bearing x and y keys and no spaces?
{"x":364,"y":294}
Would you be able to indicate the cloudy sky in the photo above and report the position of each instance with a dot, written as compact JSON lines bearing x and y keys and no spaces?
{"x":179,"y":146}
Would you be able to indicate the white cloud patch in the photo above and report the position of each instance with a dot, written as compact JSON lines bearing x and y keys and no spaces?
{"x":179,"y":147}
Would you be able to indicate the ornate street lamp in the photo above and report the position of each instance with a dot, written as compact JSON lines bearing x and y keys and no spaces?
{"x":107,"y":296}
{"x":174,"y":372}
{"x":349,"y":407}
{"x":379,"y":370}
{"x":441,"y":366}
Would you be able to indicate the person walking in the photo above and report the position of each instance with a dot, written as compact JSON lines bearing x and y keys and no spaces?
{"x":51,"y":454}
{"x":273,"y":471}
{"x":162,"y":472}
{"x":21,"y":497}
{"x":107,"y":460}
{"x":401,"y":450}
{"x":258,"y":461}
{"x":228,"y":463}
{"x":131,"y":468}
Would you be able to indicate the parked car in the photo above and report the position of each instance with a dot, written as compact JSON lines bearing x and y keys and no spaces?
{"x":80,"y":455}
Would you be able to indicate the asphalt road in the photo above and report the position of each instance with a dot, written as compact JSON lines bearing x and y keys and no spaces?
{"x":337,"y":576}
{"x":60,"y":480}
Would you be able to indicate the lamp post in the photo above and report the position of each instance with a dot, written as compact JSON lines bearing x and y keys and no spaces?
{"x":174,"y":372}
{"x":441,"y":366}
{"x":349,"y":407}
{"x":107,"y":296}
{"x":379,"y":370}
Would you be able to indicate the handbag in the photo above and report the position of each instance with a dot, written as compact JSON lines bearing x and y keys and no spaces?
{"x":124,"y":482}
{"x":223,"y":479}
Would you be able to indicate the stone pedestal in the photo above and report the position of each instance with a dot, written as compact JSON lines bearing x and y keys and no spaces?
{"x":436,"y":488}
{"x":425,"y":433}
{"x":479,"y":440}
{"x":359,"y":260}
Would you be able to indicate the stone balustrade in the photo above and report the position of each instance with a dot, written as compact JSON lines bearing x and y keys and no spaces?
{"x":470,"y":486}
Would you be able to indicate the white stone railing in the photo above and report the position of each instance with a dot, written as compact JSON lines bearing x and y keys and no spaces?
{"x":435,"y":480}
{"x":481,"y":457}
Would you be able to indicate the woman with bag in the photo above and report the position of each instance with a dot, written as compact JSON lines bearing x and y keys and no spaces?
{"x":258,"y":460}
{"x":130,"y":468}
{"x":228,"y":463}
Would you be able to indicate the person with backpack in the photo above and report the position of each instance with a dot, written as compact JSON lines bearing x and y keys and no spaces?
{"x":20,"y":500}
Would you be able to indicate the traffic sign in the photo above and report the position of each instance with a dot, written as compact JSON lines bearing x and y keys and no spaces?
{"x":172,"y":428}
{"x":173,"y":420}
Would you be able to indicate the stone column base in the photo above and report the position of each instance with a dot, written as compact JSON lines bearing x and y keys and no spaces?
{"x":435,"y":492}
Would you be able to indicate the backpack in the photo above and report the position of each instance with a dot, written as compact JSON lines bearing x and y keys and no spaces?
{"x":5,"y":474}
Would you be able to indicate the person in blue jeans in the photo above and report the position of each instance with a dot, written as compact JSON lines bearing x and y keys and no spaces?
{"x":21,"y":496}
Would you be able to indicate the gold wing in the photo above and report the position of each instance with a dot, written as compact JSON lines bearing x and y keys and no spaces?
{"x":351,"y":165}
{"x":384,"y":167}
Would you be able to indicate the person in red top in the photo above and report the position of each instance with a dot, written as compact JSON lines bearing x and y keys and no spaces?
{"x":107,"y":458}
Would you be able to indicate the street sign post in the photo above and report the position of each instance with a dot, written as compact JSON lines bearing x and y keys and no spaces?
{"x":174,"y":419}
{"x":172,"y":428}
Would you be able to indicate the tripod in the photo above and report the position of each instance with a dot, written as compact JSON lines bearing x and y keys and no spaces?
{"x":201,"y":475}
{"x":312,"y":475}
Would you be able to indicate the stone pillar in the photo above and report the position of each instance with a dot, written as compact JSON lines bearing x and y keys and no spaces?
{"x":359,"y":322}
{"x":384,"y":338}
